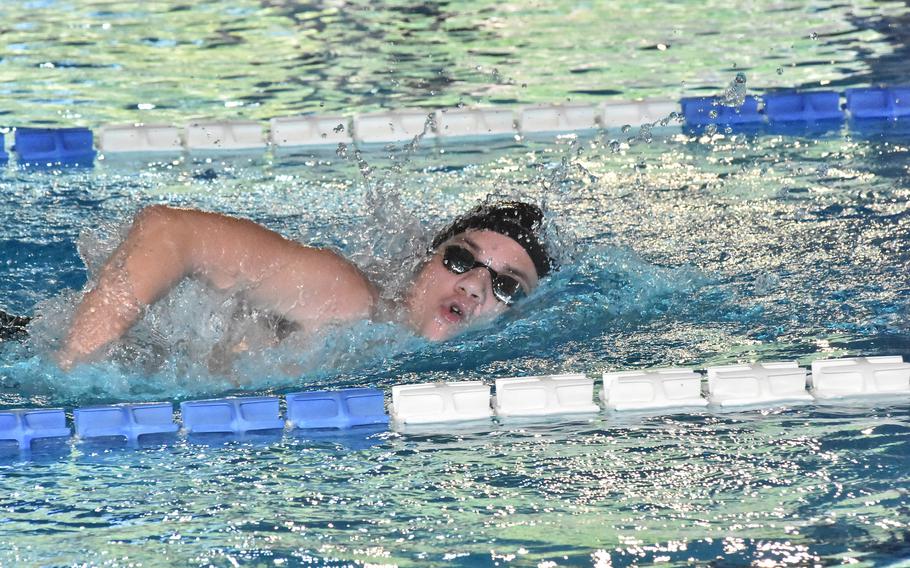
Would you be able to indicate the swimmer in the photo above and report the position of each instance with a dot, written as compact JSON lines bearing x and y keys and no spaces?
{"x":475,"y":269}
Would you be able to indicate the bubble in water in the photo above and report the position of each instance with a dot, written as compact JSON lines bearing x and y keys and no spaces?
{"x":339,"y":128}
{"x":615,"y":146}
{"x":626,"y":128}
{"x":342,"y":150}
{"x":713,"y":114}
{"x":813,"y":35}
{"x":822,"y":170}
{"x":740,"y":78}
{"x":780,"y":70}
{"x":711,"y":129}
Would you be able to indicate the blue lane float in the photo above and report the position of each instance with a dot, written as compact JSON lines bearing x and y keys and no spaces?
{"x":803,"y":107}
{"x":129,"y":421}
{"x":54,"y":145}
{"x":704,"y":111}
{"x":26,"y":425}
{"x":4,"y":157}
{"x":347,"y":408}
{"x":879,"y":103}
{"x":231,"y":415}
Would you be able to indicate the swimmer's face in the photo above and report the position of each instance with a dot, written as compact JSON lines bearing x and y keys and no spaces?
{"x":442,"y":303}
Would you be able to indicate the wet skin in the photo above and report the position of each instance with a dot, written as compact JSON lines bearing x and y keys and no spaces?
{"x":440,"y":303}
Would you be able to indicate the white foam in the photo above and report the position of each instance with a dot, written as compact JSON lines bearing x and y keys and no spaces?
{"x":652,"y":389}
{"x":140,"y":138}
{"x":309,"y":131}
{"x":557,"y":118}
{"x":860,"y":376}
{"x":618,"y":114}
{"x":759,"y":383}
{"x":551,"y":394}
{"x":397,"y":126}
{"x":225,"y":135}
{"x":464,"y":122}
{"x":440,"y":402}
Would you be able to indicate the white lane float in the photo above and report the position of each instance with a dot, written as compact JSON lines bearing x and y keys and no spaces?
{"x":652,"y":389}
{"x":860,"y":377}
{"x":455,"y":401}
{"x":544,"y":395}
{"x":757,"y":384}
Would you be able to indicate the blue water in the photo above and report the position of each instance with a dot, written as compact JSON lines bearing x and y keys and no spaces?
{"x":663,"y":264}
{"x":683,"y":251}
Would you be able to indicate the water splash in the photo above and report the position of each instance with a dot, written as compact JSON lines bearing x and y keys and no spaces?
{"x":735,"y":93}
{"x":390,"y":247}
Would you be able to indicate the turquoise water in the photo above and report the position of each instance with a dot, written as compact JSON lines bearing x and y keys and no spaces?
{"x":686,"y":250}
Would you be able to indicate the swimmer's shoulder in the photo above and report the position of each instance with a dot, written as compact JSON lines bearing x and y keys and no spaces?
{"x":362,"y":293}
{"x":346,"y":292}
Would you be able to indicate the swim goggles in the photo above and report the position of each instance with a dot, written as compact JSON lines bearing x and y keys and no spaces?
{"x":505,"y":288}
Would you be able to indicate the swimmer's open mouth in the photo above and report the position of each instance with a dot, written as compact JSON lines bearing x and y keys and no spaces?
{"x":454,"y":313}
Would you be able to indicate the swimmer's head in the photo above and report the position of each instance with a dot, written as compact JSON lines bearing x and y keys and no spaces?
{"x":481,"y":264}
{"x":517,"y":220}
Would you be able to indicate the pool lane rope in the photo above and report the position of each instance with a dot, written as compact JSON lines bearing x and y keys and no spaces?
{"x":777,"y":112}
{"x":669,"y":390}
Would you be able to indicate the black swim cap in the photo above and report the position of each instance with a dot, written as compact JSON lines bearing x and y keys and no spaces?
{"x":517,"y":220}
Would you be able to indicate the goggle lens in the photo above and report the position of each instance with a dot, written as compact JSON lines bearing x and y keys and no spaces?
{"x":505,"y":288}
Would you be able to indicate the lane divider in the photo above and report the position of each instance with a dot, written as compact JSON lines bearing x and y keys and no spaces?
{"x":779,"y":112}
{"x":125,"y":420}
{"x":347,"y":408}
{"x":650,"y":390}
{"x":878,"y":103}
{"x":760,"y":383}
{"x":25,"y":425}
{"x":451,"y":401}
{"x":42,"y":146}
{"x":803,"y":107}
{"x":535,"y":396}
{"x":861,"y":376}
{"x":231,"y":415}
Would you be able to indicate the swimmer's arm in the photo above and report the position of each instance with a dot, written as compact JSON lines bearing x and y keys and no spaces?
{"x":308,"y":286}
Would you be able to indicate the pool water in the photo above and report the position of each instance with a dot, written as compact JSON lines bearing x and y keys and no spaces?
{"x":687,"y":250}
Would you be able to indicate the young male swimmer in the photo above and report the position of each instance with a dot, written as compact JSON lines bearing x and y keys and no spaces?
{"x":477,"y":267}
